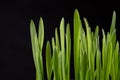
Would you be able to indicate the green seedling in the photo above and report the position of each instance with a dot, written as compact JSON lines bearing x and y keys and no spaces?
{"x":37,"y":45}
{"x":90,"y":62}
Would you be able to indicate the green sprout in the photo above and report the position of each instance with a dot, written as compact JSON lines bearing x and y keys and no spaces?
{"x":90,"y":62}
{"x":37,"y":45}
{"x":61,"y":57}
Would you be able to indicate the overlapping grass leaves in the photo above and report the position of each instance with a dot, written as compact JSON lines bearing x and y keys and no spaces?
{"x":90,"y":62}
{"x":37,"y":44}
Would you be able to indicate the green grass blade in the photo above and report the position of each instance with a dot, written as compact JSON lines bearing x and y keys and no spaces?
{"x":89,"y":47}
{"x":57,"y":40}
{"x":39,"y":68}
{"x":41,"y":34}
{"x":60,"y":65}
{"x":56,"y":62}
{"x":68,"y":51}
{"x":62,"y":35}
{"x":116,"y":61}
{"x":109,"y":58}
{"x":40,"y":42}
{"x":77,"y":25}
{"x":98,"y":64}
{"x":84,"y":41}
{"x":97,"y":31}
{"x":83,"y":57}
{"x":113,"y":22}
{"x":48,"y":61}
{"x":89,"y":44}
{"x":112,"y":29}
{"x":104,"y":55}
{"x":35,"y":49}
{"x":36,"y":52}
{"x":62,"y":39}
{"x":84,"y":66}
{"x":104,"y":46}
{"x":98,"y":55}
{"x":33,"y":35}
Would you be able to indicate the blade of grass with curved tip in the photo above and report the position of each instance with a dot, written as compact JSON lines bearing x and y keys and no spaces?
{"x":35,"y":49}
{"x":62,"y":35}
{"x":40,"y":42}
{"x":89,"y":44}
{"x":112,"y":29}
{"x":62,"y":39}
{"x":114,"y":73}
{"x":113,"y":22}
{"x":33,"y":35}
{"x":68,"y":51}
{"x":41,"y":34}
{"x":90,"y":54}
{"x":48,"y":61}
{"x":37,"y":52}
{"x":77,"y":25}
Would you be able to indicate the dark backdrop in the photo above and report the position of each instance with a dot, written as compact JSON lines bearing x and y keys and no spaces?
{"x":16,"y":62}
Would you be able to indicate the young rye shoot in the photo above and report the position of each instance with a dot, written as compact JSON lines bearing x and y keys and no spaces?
{"x":90,"y":62}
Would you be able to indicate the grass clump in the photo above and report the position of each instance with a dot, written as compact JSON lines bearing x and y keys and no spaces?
{"x":90,"y":62}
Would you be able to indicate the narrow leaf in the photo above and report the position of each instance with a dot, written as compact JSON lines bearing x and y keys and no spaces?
{"x":48,"y":61}
{"x":77,"y":27}
{"x":68,"y":51}
{"x":41,"y":34}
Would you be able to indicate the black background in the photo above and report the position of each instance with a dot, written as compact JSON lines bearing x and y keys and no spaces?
{"x":16,"y":62}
